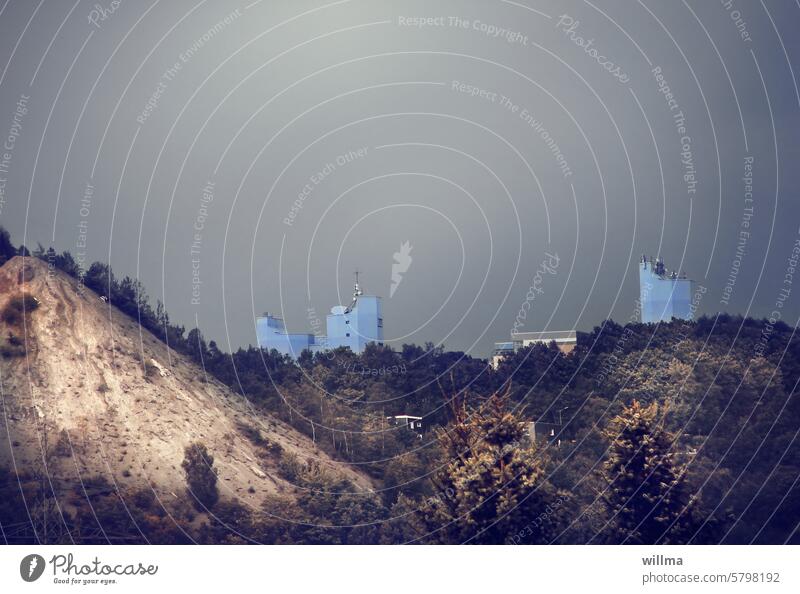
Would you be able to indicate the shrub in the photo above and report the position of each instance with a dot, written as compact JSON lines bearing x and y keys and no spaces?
{"x":290,"y":467}
{"x":268,"y":448}
{"x":18,"y":306}
{"x":201,"y":476}
{"x":63,"y":446}
{"x":253,"y":434}
{"x":13,"y":346}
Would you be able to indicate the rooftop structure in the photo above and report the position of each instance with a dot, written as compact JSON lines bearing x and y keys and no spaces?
{"x":663,"y":294}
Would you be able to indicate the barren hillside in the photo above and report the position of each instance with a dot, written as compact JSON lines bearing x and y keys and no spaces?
{"x":86,"y":391}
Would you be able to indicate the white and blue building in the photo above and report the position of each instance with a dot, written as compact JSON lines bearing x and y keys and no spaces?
{"x":353,"y":326}
{"x":663,"y":295}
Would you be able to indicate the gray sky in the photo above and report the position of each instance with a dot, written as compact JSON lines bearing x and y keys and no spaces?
{"x":390,"y":119}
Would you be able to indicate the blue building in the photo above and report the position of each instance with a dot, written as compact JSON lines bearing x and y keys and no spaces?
{"x":663,"y":295}
{"x":271,"y":334}
{"x":353,"y":326}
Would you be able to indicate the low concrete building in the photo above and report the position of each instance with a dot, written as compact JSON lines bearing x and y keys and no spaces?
{"x":565,"y":341}
{"x":410,"y":421}
{"x":540,"y":432}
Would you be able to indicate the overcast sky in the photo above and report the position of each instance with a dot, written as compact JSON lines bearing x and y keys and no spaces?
{"x":269,"y":149}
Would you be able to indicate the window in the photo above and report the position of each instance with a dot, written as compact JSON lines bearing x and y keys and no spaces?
{"x":347,"y":321}
{"x":347,"y":335}
{"x":380,"y":322}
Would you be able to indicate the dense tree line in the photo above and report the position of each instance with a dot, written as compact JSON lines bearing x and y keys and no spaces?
{"x":678,"y":432}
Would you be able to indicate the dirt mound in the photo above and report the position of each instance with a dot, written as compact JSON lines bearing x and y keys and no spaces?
{"x":85,"y":391}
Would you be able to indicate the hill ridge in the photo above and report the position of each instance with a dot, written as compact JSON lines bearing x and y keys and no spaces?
{"x":88,"y":391}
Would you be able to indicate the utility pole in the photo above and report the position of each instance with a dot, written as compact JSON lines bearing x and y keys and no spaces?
{"x":559,"y":416}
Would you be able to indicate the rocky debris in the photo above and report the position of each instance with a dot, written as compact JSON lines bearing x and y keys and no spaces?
{"x":161,"y":370}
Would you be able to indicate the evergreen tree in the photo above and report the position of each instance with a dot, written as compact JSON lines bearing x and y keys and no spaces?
{"x":646,"y":494}
{"x":7,"y":249}
{"x":491,"y":488}
{"x":196,"y":347}
{"x":67,"y":263}
{"x":100,"y":279}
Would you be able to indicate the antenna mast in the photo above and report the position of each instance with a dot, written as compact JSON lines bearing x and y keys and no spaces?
{"x":357,"y":292}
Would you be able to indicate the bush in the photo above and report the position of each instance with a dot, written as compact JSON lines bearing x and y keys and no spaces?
{"x":12,"y":347}
{"x":290,"y":467}
{"x":201,"y":476}
{"x":267,"y":447}
{"x":63,"y":446}
{"x":18,"y":306}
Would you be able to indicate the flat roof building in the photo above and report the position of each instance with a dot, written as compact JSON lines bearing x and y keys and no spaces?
{"x":410,"y":421}
{"x":663,"y":295}
{"x":271,"y":334}
{"x":565,"y":340}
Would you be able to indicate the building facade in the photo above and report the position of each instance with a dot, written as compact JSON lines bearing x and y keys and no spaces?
{"x":271,"y":334}
{"x":356,"y":326}
{"x":663,"y":295}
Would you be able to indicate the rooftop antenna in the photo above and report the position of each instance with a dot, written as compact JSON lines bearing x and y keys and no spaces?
{"x":357,"y":292}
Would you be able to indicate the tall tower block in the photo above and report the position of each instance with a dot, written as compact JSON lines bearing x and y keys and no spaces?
{"x":663,"y":295}
{"x":358,"y":324}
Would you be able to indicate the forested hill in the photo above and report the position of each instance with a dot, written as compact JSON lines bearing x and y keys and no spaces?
{"x":698,"y":419}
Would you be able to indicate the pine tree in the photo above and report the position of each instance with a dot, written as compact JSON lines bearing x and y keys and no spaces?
{"x":491,"y":488}
{"x":646,"y":494}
